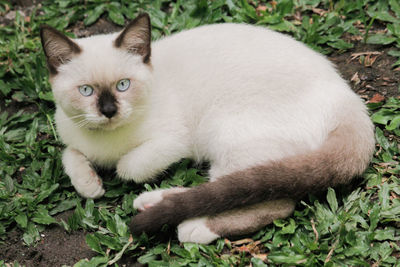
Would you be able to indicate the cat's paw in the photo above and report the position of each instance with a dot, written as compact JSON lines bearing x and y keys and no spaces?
{"x":85,"y":180}
{"x":127,"y":171}
{"x":148,"y":199}
{"x":89,"y":186}
{"x":196,"y":231}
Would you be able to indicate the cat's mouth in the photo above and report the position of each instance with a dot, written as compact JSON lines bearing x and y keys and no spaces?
{"x":106,"y":125}
{"x":94,"y":122}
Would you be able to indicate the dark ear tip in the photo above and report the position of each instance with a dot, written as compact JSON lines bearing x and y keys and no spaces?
{"x":143,"y":15}
{"x":44,"y":27}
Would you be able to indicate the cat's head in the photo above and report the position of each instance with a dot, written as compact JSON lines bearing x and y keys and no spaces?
{"x":100,"y":82}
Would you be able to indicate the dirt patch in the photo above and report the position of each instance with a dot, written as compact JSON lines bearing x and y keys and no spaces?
{"x":14,"y":106}
{"x":56,"y":248}
{"x":369,"y":70}
{"x":102,"y":26}
{"x":23,"y":7}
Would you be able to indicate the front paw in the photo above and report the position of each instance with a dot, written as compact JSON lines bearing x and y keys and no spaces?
{"x":81,"y":173}
{"x":89,"y":186}
{"x":130,"y":170}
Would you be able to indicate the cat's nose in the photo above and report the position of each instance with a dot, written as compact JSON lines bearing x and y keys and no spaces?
{"x":107,"y":104}
{"x":109,"y":110}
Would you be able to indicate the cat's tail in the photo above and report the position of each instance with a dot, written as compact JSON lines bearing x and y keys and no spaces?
{"x":345,"y":153}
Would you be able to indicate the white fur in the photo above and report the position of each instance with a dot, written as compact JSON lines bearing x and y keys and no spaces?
{"x":151,"y":198}
{"x":148,"y":199}
{"x":196,"y":231}
{"x":83,"y":177}
{"x":235,"y":95}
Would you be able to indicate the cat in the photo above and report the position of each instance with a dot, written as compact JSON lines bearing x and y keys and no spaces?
{"x":274,"y":119}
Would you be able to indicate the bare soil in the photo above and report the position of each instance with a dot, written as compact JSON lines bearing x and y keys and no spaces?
{"x":56,"y":247}
{"x":369,"y":70}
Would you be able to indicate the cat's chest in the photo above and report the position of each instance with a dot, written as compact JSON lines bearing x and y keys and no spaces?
{"x":105,"y":151}
{"x":101,"y":148}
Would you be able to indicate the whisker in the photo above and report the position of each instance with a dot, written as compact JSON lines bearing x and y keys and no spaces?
{"x":81,"y":123}
{"x":72,"y":117}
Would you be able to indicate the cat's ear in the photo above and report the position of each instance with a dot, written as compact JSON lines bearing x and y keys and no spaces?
{"x":136,"y":37}
{"x":57,"y":47}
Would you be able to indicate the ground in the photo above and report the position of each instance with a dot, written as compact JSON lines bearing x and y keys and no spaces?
{"x":369,"y":70}
{"x":56,"y":248}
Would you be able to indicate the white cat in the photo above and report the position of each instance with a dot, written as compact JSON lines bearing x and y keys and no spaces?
{"x":273,"y":118}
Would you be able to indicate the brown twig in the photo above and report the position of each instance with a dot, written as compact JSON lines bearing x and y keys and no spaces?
{"x":328,"y":258}
{"x":368,"y":53}
{"x":315,"y":230}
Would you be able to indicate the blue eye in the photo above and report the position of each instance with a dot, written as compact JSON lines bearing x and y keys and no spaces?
{"x":123,"y":85}
{"x":86,"y":90}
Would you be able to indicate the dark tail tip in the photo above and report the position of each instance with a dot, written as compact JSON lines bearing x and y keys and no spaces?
{"x":151,"y":220}
{"x":139,"y":224}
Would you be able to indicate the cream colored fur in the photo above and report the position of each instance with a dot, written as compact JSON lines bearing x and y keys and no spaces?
{"x":235,"y":95}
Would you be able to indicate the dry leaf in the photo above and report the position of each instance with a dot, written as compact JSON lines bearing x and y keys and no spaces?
{"x":377,"y":98}
{"x":251,"y":248}
{"x":260,"y":9}
{"x":246,"y":245}
{"x":355,"y":37}
{"x":319,"y":11}
{"x":262,"y":257}
{"x":242,"y":241}
{"x":355,"y":78}
{"x":369,"y":60}
{"x":359,"y":24}
{"x":357,"y":55}
{"x":297,"y":17}
{"x":394,"y":195}
{"x":387,"y":79}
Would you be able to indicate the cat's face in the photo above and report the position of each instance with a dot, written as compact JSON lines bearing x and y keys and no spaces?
{"x":100,"y":82}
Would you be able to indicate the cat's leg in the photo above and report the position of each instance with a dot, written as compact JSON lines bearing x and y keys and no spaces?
{"x":235,"y":222}
{"x":149,"y":159}
{"x":83,"y":177}
{"x":148,"y":199}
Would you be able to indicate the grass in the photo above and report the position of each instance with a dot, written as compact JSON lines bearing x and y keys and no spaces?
{"x":347,"y":228}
